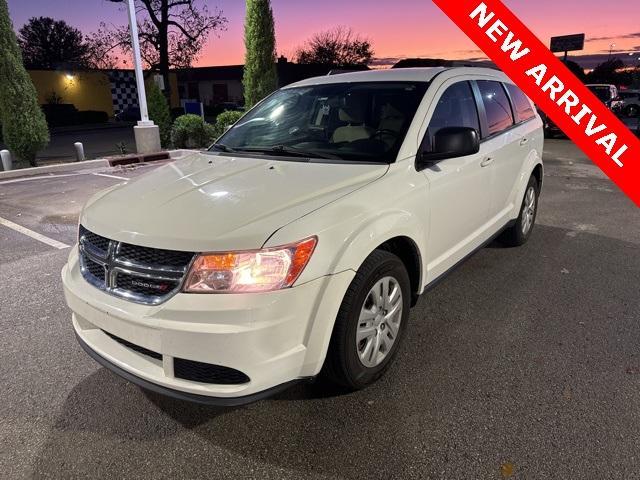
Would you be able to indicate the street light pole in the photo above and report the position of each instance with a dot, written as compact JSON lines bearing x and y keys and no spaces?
{"x":137,"y":62}
{"x":146,"y":133}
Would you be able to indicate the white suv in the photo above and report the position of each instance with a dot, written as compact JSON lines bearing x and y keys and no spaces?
{"x":297,"y":244}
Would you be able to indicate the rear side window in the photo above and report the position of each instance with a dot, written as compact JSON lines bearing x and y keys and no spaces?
{"x":497,"y":106}
{"x":521,"y":104}
{"x":456,"y":108}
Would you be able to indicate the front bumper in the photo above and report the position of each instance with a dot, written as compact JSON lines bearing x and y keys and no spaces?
{"x":274,"y":338}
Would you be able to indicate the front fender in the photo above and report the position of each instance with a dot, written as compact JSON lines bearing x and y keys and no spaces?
{"x":349,"y":229}
{"x":372,"y":233}
{"x":345,"y":244}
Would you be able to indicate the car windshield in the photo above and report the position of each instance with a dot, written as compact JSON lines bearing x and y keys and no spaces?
{"x":362,"y":122}
{"x":603,"y":93}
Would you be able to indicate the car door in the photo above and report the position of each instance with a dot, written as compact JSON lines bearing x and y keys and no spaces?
{"x":523,"y":138}
{"x":505,"y":143}
{"x":459,"y":188}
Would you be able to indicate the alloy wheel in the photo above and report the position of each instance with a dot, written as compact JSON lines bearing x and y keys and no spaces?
{"x":379,"y":322}
{"x":528,"y":210}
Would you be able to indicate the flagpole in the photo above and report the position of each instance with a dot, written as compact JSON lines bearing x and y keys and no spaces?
{"x":137,"y":62}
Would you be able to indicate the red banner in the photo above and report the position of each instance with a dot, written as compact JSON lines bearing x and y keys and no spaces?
{"x":552,"y":86}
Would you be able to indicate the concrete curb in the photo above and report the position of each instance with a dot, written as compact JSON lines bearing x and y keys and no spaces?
{"x":96,"y":164}
{"x":59,"y":168}
{"x":135,"y":159}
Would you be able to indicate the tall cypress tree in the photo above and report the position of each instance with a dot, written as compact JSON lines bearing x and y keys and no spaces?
{"x":24,"y":127}
{"x":260,"y":77}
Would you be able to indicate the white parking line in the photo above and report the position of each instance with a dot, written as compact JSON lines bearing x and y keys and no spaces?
{"x":35,"y":235}
{"x":111,"y":176}
{"x":41,"y":177}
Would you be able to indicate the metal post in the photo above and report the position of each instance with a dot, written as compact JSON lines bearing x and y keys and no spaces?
{"x":79,"y":152}
{"x":7,"y":163}
{"x":137,"y":61}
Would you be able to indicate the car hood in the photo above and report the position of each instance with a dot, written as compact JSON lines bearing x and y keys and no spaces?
{"x":214,"y":202}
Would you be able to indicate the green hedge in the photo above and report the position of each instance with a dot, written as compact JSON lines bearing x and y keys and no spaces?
{"x":190,"y":131}
{"x":225,"y":120}
{"x":159,"y":112}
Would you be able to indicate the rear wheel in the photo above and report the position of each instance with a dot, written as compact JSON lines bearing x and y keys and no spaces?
{"x":519,"y":233}
{"x":371,"y":322}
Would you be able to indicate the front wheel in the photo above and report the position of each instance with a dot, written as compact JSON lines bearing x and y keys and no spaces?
{"x":371,"y":322}
{"x":519,"y":233}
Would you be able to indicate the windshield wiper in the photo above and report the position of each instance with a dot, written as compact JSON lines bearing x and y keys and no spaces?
{"x":222,"y":147}
{"x":289,"y":151}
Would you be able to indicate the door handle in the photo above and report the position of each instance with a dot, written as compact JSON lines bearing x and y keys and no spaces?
{"x":486,"y":162}
{"x":524,"y":141}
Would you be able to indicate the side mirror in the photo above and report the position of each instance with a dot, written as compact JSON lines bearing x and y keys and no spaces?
{"x":451,"y":142}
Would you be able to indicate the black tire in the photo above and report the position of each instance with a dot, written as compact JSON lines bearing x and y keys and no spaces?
{"x":343,"y":365}
{"x":515,"y":236}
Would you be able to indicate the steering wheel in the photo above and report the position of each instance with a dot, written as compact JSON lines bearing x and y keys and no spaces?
{"x":385,"y":131}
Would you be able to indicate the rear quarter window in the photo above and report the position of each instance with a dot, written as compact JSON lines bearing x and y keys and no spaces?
{"x":521,"y":104}
{"x":496,"y":105}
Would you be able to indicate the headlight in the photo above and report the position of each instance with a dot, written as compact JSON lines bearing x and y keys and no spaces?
{"x":249,"y":271}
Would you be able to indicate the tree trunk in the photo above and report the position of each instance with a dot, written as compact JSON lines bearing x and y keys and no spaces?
{"x":163,"y":39}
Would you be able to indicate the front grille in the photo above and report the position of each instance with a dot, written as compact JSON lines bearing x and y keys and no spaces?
{"x":98,"y":242}
{"x":140,"y":274}
{"x":95,"y":270}
{"x":135,"y":348}
{"x":207,"y":373}
{"x":154,"y":256}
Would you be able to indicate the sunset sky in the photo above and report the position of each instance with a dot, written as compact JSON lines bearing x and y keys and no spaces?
{"x":397,"y":29}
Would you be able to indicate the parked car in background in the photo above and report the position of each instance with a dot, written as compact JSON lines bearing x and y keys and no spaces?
{"x":66,"y":115}
{"x":551,"y":130}
{"x":609,"y":95}
{"x":296,"y":245}
{"x":631,"y":102}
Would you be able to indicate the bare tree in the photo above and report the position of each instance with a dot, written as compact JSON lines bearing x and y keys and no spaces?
{"x":172,"y":34}
{"x":339,"y":47}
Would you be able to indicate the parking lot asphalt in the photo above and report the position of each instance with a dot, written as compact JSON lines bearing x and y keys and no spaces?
{"x":524,"y":363}
{"x":99,"y":141}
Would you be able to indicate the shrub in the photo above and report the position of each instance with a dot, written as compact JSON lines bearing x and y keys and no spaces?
{"x":66,"y":114}
{"x":226,"y":119}
{"x":190,"y":131}
{"x":260,"y":77}
{"x":85,"y":117}
{"x":60,"y":114}
{"x":159,"y":112}
{"x":24,"y":126}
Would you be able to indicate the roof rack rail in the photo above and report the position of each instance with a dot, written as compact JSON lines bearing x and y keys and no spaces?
{"x":340,"y":71}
